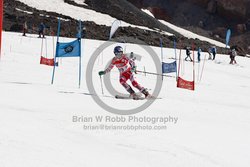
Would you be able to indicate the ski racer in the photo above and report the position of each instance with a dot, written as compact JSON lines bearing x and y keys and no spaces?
{"x":126,"y":67}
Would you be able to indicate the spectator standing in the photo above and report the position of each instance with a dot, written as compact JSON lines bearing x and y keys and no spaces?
{"x":214,"y":51}
{"x":232,"y":55}
{"x":25,"y":28}
{"x":199,"y":54}
{"x":41,"y":30}
{"x":188,"y":54}
{"x":209,"y":53}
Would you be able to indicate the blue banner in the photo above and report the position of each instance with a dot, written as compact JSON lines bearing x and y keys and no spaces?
{"x":228,"y":37}
{"x":70,"y":49}
{"x":168,"y":67}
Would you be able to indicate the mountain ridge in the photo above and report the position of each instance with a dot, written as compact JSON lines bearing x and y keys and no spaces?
{"x":14,"y":19}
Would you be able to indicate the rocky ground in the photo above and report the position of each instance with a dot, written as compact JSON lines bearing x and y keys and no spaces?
{"x":14,"y":17}
{"x":209,"y":18}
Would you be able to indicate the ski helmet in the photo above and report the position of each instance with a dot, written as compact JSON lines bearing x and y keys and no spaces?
{"x":118,"y":51}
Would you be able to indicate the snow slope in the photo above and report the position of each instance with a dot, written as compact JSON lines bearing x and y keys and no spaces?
{"x":59,"y":6}
{"x":36,"y":124}
{"x":78,"y":13}
{"x":190,"y":34}
{"x":148,"y":12}
{"x":81,"y":2}
{"x":187,"y":33}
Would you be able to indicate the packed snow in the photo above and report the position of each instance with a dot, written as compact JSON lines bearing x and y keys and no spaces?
{"x":36,"y":118}
{"x":192,"y":35}
{"x":23,"y":11}
{"x":186,"y":33}
{"x":81,"y":2}
{"x":148,"y":12}
{"x":59,"y":6}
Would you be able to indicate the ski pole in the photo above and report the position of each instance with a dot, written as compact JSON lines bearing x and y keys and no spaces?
{"x":101,"y":84}
{"x":198,"y":74}
{"x":154,"y":73}
{"x":203,"y":67}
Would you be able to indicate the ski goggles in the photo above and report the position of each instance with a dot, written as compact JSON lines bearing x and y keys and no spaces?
{"x":118,"y":54}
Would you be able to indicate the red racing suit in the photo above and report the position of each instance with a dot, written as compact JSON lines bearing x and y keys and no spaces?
{"x":124,"y":65}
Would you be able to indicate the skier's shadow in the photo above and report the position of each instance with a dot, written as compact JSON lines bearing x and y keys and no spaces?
{"x":20,"y":83}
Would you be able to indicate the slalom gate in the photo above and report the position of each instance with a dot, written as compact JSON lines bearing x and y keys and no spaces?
{"x":68,"y":49}
{"x":168,"y":67}
{"x":44,"y":57}
{"x":182,"y":83}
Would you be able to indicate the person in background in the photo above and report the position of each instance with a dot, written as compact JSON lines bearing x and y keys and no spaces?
{"x":209,"y":53}
{"x":188,"y":54}
{"x":214,"y":51}
{"x":25,"y":28}
{"x":52,"y":33}
{"x":232,"y":55}
{"x":41,"y":30}
{"x":199,"y":54}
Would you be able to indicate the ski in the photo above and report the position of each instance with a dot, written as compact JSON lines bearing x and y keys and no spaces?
{"x":137,"y":98}
{"x":128,"y":97}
